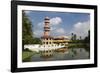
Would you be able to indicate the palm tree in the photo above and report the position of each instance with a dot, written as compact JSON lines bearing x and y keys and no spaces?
{"x":72,"y":36}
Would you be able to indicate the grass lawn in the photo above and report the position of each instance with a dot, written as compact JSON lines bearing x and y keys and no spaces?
{"x":27,"y":54}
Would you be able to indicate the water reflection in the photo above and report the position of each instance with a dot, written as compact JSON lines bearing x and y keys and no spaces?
{"x":67,"y":54}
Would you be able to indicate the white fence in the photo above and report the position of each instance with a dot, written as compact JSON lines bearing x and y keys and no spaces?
{"x":38,"y":47}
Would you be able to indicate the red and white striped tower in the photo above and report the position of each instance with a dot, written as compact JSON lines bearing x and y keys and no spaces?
{"x":47,"y":39}
{"x":47,"y":27}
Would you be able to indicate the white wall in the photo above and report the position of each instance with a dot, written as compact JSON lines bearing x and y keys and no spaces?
{"x":5,"y":37}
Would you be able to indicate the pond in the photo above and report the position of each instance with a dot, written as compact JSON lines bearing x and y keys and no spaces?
{"x":69,"y":54}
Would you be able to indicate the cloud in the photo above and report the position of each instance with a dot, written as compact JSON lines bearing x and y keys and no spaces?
{"x":38,"y":33}
{"x":60,"y":31}
{"x":55,"y":21}
{"x":40,"y":24}
{"x":54,"y":27}
{"x":81,"y":28}
{"x":38,"y":29}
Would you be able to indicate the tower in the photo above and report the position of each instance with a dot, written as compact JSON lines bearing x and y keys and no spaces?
{"x":46,"y":27}
{"x":46,"y":38}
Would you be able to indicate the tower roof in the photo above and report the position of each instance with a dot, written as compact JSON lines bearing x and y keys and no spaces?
{"x":46,"y":18}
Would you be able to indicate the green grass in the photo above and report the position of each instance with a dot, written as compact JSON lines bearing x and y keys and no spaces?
{"x":27,"y":54}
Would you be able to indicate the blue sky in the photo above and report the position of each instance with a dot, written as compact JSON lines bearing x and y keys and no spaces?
{"x":61,"y":23}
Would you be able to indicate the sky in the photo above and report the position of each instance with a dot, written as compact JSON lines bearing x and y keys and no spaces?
{"x":61,"y":23}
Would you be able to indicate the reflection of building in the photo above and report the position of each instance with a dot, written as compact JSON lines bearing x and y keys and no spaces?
{"x":51,"y":44}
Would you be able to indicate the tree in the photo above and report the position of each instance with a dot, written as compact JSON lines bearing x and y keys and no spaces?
{"x":87,"y":38}
{"x":72,"y":36}
{"x":80,"y":38}
{"x":37,"y":41}
{"x":27,"y":34}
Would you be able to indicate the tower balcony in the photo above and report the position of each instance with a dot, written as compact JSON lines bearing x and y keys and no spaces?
{"x":47,"y":21}
{"x":46,"y":27}
{"x":47,"y":18}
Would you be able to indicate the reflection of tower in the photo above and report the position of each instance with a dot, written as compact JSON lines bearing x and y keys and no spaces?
{"x":47,"y":27}
{"x":47,"y":39}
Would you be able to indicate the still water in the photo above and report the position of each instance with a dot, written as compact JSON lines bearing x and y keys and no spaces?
{"x":70,"y":54}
